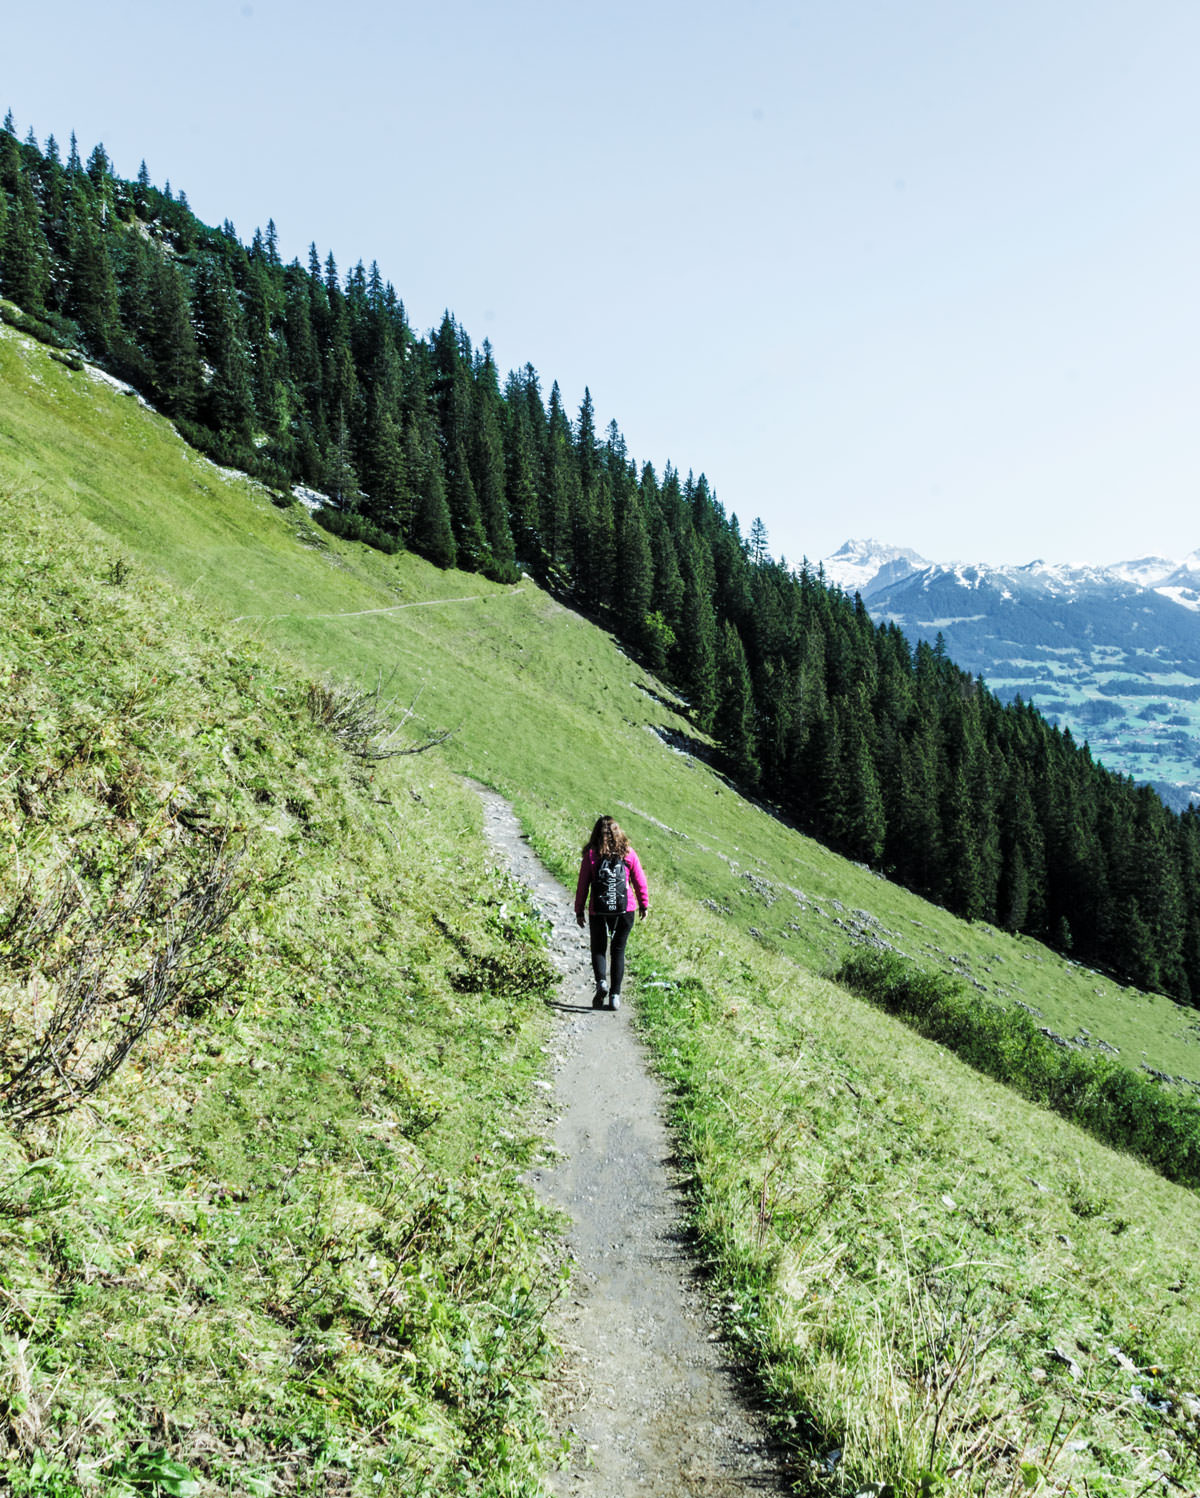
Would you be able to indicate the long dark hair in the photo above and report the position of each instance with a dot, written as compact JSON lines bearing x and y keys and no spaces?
{"x":607,"y":839}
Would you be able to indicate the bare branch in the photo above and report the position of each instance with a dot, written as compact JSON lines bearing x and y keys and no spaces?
{"x":364,"y":722}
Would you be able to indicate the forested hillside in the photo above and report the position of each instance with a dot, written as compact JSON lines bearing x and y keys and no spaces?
{"x":304,"y":376}
{"x":287,"y":1245}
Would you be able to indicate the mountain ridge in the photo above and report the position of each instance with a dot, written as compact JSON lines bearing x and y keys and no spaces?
{"x":869,"y":566}
{"x":1111,"y":653}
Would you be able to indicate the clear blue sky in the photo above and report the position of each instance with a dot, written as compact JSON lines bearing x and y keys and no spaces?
{"x":921,"y":271}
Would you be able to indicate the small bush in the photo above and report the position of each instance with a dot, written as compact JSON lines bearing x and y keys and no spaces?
{"x":34,"y":326}
{"x":352,"y":527}
{"x":367,"y":724}
{"x":86,"y":984}
{"x":1103,"y":1096}
{"x":223,"y":448}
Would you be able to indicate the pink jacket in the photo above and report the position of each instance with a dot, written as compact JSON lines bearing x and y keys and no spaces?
{"x":639,"y":894}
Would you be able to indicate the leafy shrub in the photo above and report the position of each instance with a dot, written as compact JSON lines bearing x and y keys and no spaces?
{"x":1101,"y":1095}
{"x":34,"y":326}
{"x":353,"y":527}
{"x":224,"y":448}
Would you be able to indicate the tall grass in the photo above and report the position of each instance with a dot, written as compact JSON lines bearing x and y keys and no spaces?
{"x":942,"y":1288}
{"x":262,"y":1227}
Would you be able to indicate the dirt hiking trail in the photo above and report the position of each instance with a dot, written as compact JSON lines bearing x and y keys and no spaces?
{"x":647,"y":1391}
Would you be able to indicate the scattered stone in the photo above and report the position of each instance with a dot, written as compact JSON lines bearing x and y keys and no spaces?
{"x":1168,"y":1079}
{"x":1067,"y":1361}
{"x":763,"y":888}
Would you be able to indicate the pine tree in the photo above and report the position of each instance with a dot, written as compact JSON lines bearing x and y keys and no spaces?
{"x":466,"y":522}
{"x":734,"y":725}
{"x":26,"y":273}
{"x":962,"y":887}
{"x":856,"y":814}
{"x":558,"y":496}
{"x":586,"y":455}
{"x":11,"y":164}
{"x":486,"y":462}
{"x":914,"y":841}
{"x":635,"y":587}
{"x":593,"y":542}
{"x":341,"y":480}
{"x":171,"y":343}
{"x":263,"y":321}
{"x":430,"y":533}
{"x":382,"y":446}
{"x":451,"y":387}
{"x":141,"y":196}
{"x":228,"y":401}
{"x":520,"y":469}
{"x":300,"y":339}
{"x":1020,"y":899}
{"x":99,"y":171}
{"x":668,"y":579}
{"x":56,"y":225}
{"x":93,"y":300}
{"x":696,"y":642}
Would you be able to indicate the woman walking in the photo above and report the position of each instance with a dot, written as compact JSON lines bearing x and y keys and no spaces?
{"x":613,"y":886}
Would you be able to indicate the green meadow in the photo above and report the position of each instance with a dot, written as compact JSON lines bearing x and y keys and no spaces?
{"x":287,"y":1247}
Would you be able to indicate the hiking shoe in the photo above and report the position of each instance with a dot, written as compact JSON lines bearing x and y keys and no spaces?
{"x":599,"y":995}
{"x":614,"y":1001}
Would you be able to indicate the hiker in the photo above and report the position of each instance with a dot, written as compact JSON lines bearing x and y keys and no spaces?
{"x":611,"y":875}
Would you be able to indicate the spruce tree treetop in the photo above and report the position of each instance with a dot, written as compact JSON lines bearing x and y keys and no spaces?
{"x":98,"y":166}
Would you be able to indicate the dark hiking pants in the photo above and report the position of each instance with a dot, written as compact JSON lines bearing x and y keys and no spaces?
{"x":610,"y":931}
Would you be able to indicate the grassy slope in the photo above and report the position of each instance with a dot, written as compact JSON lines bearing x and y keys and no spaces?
{"x":897,"y":1236}
{"x":518,"y":678}
{"x":287,"y":1245}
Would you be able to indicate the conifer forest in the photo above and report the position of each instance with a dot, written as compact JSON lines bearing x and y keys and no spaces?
{"x":302,"y":375}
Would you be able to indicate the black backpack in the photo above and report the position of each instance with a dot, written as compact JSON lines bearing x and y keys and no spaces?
{"x":610,"y":886}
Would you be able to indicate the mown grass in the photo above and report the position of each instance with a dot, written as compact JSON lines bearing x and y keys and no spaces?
{"x":943,"y":1287}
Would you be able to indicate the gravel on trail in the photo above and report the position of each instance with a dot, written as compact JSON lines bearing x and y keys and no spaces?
{"x":647,"y":1391}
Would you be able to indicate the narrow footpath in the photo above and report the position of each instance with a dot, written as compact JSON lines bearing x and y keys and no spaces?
{"x":646,"y":1392}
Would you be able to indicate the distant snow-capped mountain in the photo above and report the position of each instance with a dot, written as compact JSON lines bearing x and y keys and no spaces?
{"x":1113,"y":653}
{"x":867,"y":567}
{"x":862,"y":566}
